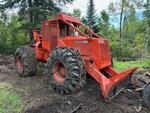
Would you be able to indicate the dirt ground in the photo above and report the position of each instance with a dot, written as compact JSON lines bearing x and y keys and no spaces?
{"x":38,"y":97}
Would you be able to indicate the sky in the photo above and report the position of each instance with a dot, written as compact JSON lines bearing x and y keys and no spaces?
{"x":82,"y":5}
{"x":99,"y":6}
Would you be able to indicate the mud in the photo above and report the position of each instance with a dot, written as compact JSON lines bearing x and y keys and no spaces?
{"x":38,"y":97}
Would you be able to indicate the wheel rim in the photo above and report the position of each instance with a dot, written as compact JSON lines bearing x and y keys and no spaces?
{"x":59,"y":72}
{"x":19,"y":64}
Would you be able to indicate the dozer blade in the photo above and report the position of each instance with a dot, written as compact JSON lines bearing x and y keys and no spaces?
{"x":119,"y":82}
{"x":111,"y":82}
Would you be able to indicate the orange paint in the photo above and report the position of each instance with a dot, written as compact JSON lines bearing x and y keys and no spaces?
{"x":94,"y":49}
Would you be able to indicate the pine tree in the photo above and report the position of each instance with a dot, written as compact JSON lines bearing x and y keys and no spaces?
{"x":91,"y":16}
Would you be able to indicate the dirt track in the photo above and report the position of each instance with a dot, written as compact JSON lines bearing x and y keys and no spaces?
{"x":38,"y":97}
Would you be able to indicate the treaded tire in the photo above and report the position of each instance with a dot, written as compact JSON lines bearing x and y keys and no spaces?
{"x":27,"y":56}
{"x":75,"y":76}
{"x":146,"y":95}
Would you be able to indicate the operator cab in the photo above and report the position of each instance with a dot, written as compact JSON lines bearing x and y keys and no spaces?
{"x":55,"y":29}
{"x":66,"y":30}
{"x":63,"y":26}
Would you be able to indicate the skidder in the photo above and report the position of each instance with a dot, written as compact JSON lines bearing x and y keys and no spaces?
{"x":69,"y":54}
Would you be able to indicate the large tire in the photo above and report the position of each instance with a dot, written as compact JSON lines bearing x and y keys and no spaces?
{"x":146,"y":95}
{"x":74,"y":76}
{"x":25,"y":61}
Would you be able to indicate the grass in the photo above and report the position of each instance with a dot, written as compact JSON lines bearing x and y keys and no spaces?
{"x":120,"y":66}
{"x":10,"y":102}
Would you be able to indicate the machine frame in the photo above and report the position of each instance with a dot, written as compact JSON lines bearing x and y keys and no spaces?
{"x":93,"y":49}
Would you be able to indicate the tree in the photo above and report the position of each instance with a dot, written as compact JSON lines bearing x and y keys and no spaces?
{"x":126,"y":6}
{"x":104,"y":24}
{"x":121,"y":18}
{"x":77,"y":13}
{"x":91,"y":16}
{"x":147,"y":33}
{"x":32,"y":11}
{"x":11,"y":35}
{"x":128,"y":24}
{"x":4,"y":35}
{"x":132,"y":32}
{"x":84,"y":20}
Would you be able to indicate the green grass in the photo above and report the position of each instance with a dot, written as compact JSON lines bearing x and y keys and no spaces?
{"x":10,"y":102}
{"x":120,"y":66}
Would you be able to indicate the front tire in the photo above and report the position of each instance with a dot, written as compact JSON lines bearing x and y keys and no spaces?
{"x":65,"y":68}
{"x":25,"y":61}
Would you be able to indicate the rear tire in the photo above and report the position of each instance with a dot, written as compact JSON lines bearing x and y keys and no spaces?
{"x":74,"y":76}
{"x":25,"y":61}
{"x":146,"y":95}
